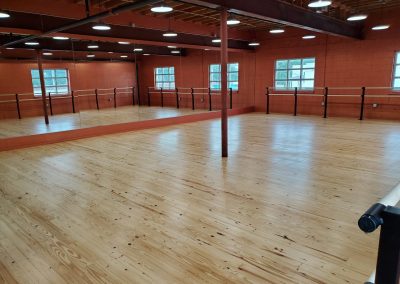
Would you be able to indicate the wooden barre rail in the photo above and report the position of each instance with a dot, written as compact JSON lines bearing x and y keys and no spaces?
{"x":192,"y":93}
{"x":50,"y":97}
{"x":326,"y":95}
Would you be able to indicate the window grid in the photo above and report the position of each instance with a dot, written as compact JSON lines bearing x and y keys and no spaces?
{"x":292,"y":73}
{"x":233,"y":76}
{"x":56,"y":81}
{"x":396,"y":72}
{"x":164,"y":77}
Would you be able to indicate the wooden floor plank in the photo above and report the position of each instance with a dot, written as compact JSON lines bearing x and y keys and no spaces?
{"x":161,"y":206}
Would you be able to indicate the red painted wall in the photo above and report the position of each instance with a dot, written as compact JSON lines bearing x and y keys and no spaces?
{"x":340,"y":63}
{"x":15,"y":77}
{"x":191,"y":71}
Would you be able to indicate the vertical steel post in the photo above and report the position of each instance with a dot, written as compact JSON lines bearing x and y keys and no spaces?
{"x":230,"y":98}
{"x":97,"y":98}
{"x":162,"y":97}
{"x":267,"y":107}
{"x":209,"y":100}
{"x":224,"y":82}
{"x":326,"y":102}
{"x":295,"y":101}
{"x":50,"y":104}
{"x":362,"y":103}
{"x":73,"y":101}
{"x":192,"y":94}
{"x":18,"y":108}
{"x":115,"y":97}
{"x":42,"y":85}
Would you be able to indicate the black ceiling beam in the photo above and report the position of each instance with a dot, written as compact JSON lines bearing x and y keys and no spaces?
{"x":76,"y":23}
{"x":31,"y":21}
{"x":285,"y":13}
{"x":81,"y":46}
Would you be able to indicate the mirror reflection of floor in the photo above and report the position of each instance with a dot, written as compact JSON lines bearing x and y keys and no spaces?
{"x":88,"y":118}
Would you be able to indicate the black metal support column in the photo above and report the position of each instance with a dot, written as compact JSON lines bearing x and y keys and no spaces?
{"x":326,"y":102}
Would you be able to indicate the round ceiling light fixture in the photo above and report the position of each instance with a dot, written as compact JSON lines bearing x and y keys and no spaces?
{"x":277,"y":31}
{"x":101,"y":27}
{"x":161,"y":8}
{"x":309,"y":37}
{"x":380,"y":27}
{"x":357,"y":17}
{"x":319,"y":3}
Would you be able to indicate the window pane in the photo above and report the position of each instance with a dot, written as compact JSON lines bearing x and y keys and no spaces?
{"x":281,"y":85}
{"x":159,"y":85}
{"x":294,"y":74}
{"x":281,"y":64}
{"x":158,"y":70}
{"x":37,"y":91}
{"x":62,"y":90}
{"x":52,"y":90}
{"x":172,"y":85}
{"x":48,"y":73}
{"x":171,"y":70}
{"x":165,"y":78}
{"x":295,"y":64}
{"x":309,"y":63}
{"x":397,"y":71}
{"x":233,"y":67}
{"x":215,"y":77}
{"x":307,"y":84}
{"x":36,"y":82}
{"x":281,"y":75}
{"x":61,"y":73}
{"x":396,"y":83}
{"x":233,"y":85}
{"x":233,"y":76}
{"x":49,"y":82}
{"x":166,"y":86}
{"x":215,"y":68}
{"x":62,"y":81}
{"x":35,"y":73}
{"x":165,"y":70}
{"x":398,"y":58}
{"x":171,"y":78}
{"x":215,"y":86}
{"x":158,"y":78}
{"x":294,"y":84}
{"x":308,"y":74}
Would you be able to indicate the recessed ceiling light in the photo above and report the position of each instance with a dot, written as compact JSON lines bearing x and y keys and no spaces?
{"x":170,"y":34}
{"x":380,"y":27}
{"x":171,"y":46}
{"x":123,"y":42}
{"x":146,"y":54}
{"x":319,"y":3}
{"x":9,"y":48}
{"x":101,"y":27}
{"x":232,"y":21}
{"x":60,"y":37}
{"x":254,"y":43}
{"x":277,"y":31}
{"x":216,"y":40}
{"x":309,"y":36}
{"x":138,"y":49}
{"x":124,"y":56}
{"x":92,"y":46}
{"x":357,"y":17}
{"x":4,"y":14}
{"x":31,"y":43}
{"x":90,"y":55}
{"x":110,"y":52}
{"x":175,"y":51}
{"x":47,"y":53}
{"x":161,"y":8}
{"x":206,"y":49}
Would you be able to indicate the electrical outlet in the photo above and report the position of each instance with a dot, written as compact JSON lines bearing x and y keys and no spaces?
{"x":322,"y":103}
{"x":375,"y":105}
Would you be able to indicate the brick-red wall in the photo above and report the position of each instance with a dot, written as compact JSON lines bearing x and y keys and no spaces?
{"x":15,"y":77}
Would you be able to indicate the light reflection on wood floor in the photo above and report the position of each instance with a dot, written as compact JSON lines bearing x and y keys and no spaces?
{"x":88,"y":118}
{"x":161,"y":206}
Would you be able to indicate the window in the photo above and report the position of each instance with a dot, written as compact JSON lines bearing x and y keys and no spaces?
{"x":56,"y":81}
{"x":396,"y":73}
{"x":164,"y":77}
{"x":233,"y":76}
{"x":292,"y":73}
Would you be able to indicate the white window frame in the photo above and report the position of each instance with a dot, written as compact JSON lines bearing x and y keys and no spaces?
{"x":301,"y":79}
{"x":210,"y":73}
{"x":37,"y":91}
{"x":164,"y":84}
{"x":396,"y":64}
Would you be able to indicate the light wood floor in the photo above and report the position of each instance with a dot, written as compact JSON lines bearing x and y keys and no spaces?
{"x":87,"y":118}
{"x":161,"y":206}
